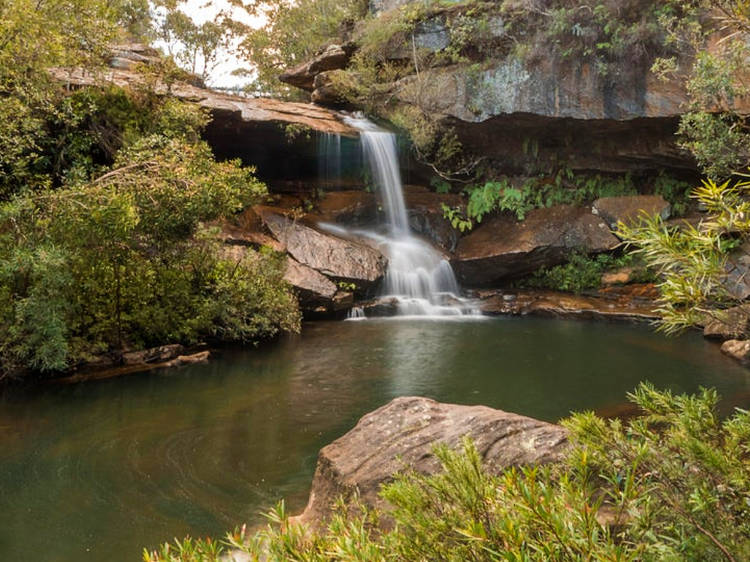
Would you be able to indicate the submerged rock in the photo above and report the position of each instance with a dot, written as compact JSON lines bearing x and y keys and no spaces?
{"x":403,"y":433}
{"x":504,"y":248}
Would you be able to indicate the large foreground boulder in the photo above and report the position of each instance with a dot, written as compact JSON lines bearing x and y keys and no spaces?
{"x":403,"y":433}
{"x":505,"y":248}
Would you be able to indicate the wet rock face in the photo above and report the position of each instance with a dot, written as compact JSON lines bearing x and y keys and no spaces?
{"x":425,"y":210}
{"x":504,"y":248}
{"x":402,"y":434}
{"x":355,"y":208}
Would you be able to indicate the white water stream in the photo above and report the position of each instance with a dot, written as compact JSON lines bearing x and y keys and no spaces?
{"x":419,"y":278}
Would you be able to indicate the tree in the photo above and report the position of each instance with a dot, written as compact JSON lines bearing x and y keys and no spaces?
{"x":197,"y":47}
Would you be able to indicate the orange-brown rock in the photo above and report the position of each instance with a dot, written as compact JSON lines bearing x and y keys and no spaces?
{"x":227,"y":107}
{"x":343,"y":260}
{"x":402,"y":435}
{"x":348,"y":207}
{"x":627,"y":304}
{"x":630,"y":208}
{"x":503,"y":248}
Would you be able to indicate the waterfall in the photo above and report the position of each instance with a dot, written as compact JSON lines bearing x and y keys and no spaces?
{"x":329,"y":158}
{"x":419,"y":278}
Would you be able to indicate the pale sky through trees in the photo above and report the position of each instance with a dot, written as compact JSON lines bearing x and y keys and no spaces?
{"x":201,"y":11}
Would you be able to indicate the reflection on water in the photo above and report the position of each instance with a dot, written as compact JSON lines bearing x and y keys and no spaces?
{"x":97,"y":471}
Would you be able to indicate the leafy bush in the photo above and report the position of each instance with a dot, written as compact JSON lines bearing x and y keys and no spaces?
{"x":672,"y":484}
{"x":124,"y":261}
{"x":114,"y":253}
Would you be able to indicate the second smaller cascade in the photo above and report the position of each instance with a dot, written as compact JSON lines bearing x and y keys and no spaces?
{"x":419,"y":278}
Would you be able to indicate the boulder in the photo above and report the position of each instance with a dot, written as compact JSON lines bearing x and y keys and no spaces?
{"x":737,"y":281}
{"x":629,"y":208}
{"x":737,"y":349}
{"x":343,"y":260}
{"x":127,"y":55}
{"x":247,"y":229}
{"x":504,"y":248}
{"x":332,"y":57}
{"x":313,"y":289}
{"x":325,"y":92}
{"x":727,"y":324}
{"x":403,"y":433}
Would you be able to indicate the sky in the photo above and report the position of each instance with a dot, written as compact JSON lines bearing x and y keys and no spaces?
{"x":201,"y":11}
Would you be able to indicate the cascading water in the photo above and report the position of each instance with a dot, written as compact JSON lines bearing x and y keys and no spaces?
{"x":419,"y":279}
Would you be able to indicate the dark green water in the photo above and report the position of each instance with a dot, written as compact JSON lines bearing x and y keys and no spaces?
{"x":96,"y":471}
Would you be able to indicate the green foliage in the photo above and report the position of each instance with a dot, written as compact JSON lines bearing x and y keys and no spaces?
{"x":456,"y":218}
{"x":719,"y":142}
{"x":712,"y":131}
{"x":672,"y":484}
{"x":293,"y":33}
{"x":109,"y":249}
{"x":675,"y":192}
{"x":583,"y":272}
{"x":606,"y":32}
{"x":563,"y":188}
{"x":691,"y":261}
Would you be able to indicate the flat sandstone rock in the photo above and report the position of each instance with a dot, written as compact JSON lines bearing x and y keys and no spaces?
{"x":403,"y":433}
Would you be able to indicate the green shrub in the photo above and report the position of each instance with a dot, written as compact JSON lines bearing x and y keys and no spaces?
{"x":691,"y":261}
{"x":583,"y":272}
{"x":564,"y":188}
{"x":672,"y":484}
{"x":118,"y":257}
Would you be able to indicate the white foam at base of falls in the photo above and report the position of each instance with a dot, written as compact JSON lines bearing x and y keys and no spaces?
{"x":419,"y":281}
